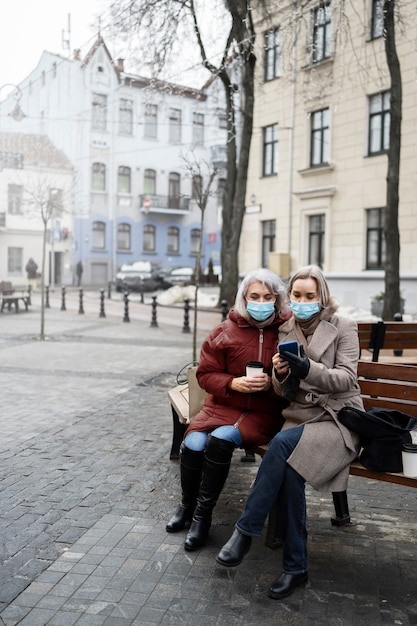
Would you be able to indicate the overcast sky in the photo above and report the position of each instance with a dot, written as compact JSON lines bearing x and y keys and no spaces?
{"x":28,"y":27}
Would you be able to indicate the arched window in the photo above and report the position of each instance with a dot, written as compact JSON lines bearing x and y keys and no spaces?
{"x":149,"y":232}
{"x":123,"y":179}
{"x":173,"y":246}
{"x":124,"y":237}
{"x":174,"y":190}
{"x":195,"y":240}
{"x":149,"y":182}
{"x":99,"y":236}
{"x":98,"y":177}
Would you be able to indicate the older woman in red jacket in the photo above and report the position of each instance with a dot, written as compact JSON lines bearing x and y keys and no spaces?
{"x":239,"y":411}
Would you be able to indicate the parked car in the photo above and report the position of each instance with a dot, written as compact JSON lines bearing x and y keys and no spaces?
{"x":180,"y":276}
{"x":137,"y":276}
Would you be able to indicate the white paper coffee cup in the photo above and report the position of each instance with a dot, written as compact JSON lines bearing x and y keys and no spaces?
{"x":409,"y":455}
{"x":253,"y":368}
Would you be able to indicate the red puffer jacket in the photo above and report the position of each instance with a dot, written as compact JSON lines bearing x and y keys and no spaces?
{"x":224,"y":355}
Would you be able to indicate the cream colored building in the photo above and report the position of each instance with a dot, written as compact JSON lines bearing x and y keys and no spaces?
{"x":317,"y":177}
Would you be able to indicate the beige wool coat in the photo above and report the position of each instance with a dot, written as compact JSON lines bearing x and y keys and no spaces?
{"x":326,"y":448}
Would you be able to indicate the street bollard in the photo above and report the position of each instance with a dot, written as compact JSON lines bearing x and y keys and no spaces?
{"x":398,"y":318}
{"x":102,"y":313}
{"x":186,"y":326}
{"x":153,"y":320}
{"x":109,"y":290}
{"x":81,"y":306}
{"x":126,"y":301}
{"x":63,"y":307}
{"x":47,"y":305}
{"x":30,"y":294}
{"x":224,"y":310}
{"x":142,"y":300}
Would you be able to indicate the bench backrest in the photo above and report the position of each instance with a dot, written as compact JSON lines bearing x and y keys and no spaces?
{"x":388,"y":386}
{"x":375,"y":336}
{"x":6,"y":288}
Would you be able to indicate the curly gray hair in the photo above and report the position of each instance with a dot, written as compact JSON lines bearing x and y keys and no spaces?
{"x":271,"y":280}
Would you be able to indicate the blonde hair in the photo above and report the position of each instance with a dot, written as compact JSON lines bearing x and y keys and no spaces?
{"x":313,"y":271}
{"x":270,"y":280}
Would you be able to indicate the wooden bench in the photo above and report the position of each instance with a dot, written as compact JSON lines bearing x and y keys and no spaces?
{"x":13,"y":299}
{"x":395,"y":336}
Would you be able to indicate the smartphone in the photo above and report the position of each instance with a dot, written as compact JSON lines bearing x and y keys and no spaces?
{"x":289,"y":346}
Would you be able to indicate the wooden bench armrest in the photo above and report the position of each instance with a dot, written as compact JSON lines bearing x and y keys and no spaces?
{"x":178,"y":396}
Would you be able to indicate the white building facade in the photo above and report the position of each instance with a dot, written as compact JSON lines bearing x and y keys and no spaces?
{"x":129,"y":140}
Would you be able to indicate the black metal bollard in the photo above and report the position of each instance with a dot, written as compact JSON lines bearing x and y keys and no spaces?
{"x":142,"y":301}
{"x":81,"y":304}
{"x":109,"y":290}
{"x":153,"y":320}
{"x":63,"y":307}
{"x":186,"y":326}
{"x":126,"y":317}
{"x":224,"y":310}
{"x":398,"y":318}
{"x":30,"y":294}
{"x":47,"y":305}
{"x":102,"y":313}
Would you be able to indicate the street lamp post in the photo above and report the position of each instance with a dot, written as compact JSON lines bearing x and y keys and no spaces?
{"x":17,"y":113}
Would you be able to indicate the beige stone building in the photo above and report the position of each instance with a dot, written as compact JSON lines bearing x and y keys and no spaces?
{"x":317,"y":178}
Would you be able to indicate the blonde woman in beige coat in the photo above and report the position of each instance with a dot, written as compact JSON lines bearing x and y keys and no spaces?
{"x":313,"y":446}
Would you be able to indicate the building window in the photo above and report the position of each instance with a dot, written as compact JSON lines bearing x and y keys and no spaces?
{"x":151,"y":121}
{"x":149,"y":182}
{"x":55,"y":201}
{"x":322,"y":32}
{"x":268,"y":240}
{"x":123,"y":179}
{"x":198,"y":129}
{"x":149,"y":238}
{"x":375,"y":241}
{"x":320,"y":147}
{"x":174,"y":190}
{"x":174,"y":126}
{"x":126,"y":117}
{"x":195,"y":241}
{"x":272,"y":54}
{"x":15,"y":261}
{"x":15,"y":199}
{"x":99,"y":236}
{"x":316,"y":224}
{"x":99,"y":113}
{"x":124,"y":237}
{"x":221,"y":187}
{"x":379,"y":122}
{"x":173,"y":246}
{"x":270,"y":150}
{"x":223,"y":121}
{"x":98,"y":180}
{"x":197,"y":187}
{"x":377,"y":20}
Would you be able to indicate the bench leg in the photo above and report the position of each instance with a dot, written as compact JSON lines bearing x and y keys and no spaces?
{"x":341,"y":507}
{"x":248,"y":457}
{"x":177,"y":435}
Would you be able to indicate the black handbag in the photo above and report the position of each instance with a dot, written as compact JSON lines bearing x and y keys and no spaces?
{"x":383,"y":433}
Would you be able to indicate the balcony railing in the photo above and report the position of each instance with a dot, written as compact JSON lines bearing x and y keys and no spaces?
{"x":164,"y":203}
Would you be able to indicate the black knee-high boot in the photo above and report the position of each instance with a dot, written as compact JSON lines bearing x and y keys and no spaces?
{"x":216,"y":468}
{"x":191,"y":465}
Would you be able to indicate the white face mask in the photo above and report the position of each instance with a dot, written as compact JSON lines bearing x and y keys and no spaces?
{"x":304,"y":310}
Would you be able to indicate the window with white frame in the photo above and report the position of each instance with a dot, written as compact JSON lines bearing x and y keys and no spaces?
{"x":377,"y":19}
{"x":14,"y":261}
{"x":98,"y":177}
{"x":375,"y":240}
{"x":197,"y":187}
{"x":15,"y":199}
{"x":99,"y":236}
{"x":268,"y":240}
{"x":221,"y":187}
{"x":173,"y":242}
{"x":174,"y":186}
{"x":123,"y":179}
{"x":124,"y":237}
{"x":195,"y":240}
{"x":175,"y":126}
{"x":99,"y":112}
{"x":322,"y":32}
{"x":149,"y":237}
{"x":149,"y":182}
{"x":316,"y":233}
{"x":151,"y":121}
{"x":320,"y":138}
{"x":379,"y":123}
{"x":126,"y":117}
{"x":270,"y":150}
{"x":272,"y":58}
{"x":198,"y":129}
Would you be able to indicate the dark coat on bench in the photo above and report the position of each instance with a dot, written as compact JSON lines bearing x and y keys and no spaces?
{"x":326,"y":447}
{"x":223,"y":356}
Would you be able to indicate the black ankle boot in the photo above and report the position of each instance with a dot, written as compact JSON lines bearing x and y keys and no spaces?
{"x":191,"y":464}
{"x":216,"y":468}
{"x":234,"y":550}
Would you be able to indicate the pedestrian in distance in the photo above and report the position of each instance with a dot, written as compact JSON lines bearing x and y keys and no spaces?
{"x":239,"y":410}
{"x":313,"y":446}
{"x":32,"y":272}
{"x":79,"y":271}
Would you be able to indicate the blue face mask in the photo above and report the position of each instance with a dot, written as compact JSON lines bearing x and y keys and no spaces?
{"x":304,"y":310}
{"x":260,"y":311}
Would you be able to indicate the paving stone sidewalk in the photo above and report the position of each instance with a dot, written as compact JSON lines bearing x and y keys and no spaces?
{"x":86,"y":487}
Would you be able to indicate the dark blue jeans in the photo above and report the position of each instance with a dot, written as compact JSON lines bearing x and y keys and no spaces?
{"x":277,"y":480}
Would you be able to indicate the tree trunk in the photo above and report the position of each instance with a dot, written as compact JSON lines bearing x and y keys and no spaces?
{"x":392,"y":303}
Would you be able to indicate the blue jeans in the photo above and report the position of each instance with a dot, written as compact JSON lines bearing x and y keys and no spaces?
{"x":197,"y":441}
{"x":277,"y":480}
